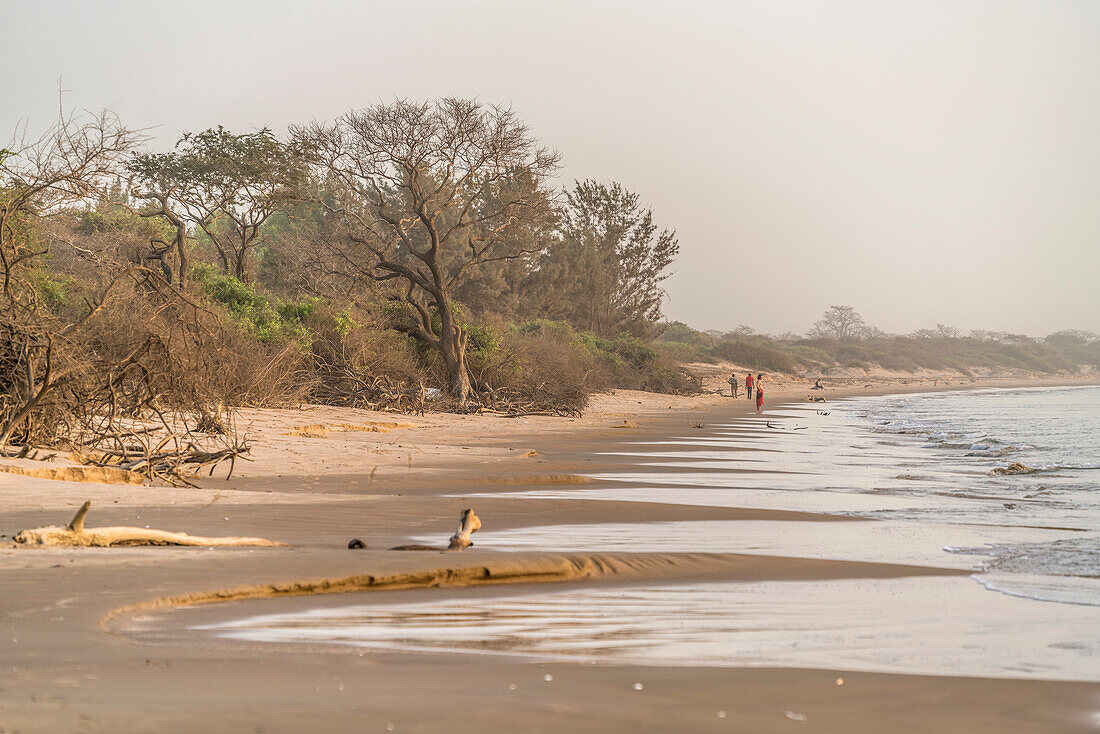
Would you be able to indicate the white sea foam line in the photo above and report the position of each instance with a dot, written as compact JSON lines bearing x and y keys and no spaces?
{"x":764,"y":479}
{"x":915,"y":625}
{"x":1061,"y":589}
{"x":678,"y":456}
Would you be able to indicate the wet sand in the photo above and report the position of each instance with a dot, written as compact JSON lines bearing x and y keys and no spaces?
{"x":93,"y":639}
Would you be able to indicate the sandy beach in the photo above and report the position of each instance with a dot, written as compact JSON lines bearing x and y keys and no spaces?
{"x":100,"y":640}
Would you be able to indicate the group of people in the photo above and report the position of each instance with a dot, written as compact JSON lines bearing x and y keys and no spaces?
{"x":751,"y":384}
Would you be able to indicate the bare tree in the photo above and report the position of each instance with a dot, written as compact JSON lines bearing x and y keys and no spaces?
{"x":71,"y":163}
{"x":943,"y":331}
{"x":425,"y":191}
{"x":872,"y":332}
{"x":839,"y":322}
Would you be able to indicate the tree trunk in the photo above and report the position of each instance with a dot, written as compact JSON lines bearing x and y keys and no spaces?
{"x":239,"y":271}
{"x":223,"y":260}
{"x":452,"y":344}
{"x":181,"y":239}
{"x":454,"y":355}
{"x":182,"y":250}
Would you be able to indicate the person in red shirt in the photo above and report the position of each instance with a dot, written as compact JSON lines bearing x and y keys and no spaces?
{"x":748,"y":385}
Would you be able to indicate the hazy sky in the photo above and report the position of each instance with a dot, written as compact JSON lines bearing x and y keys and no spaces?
{"x":922,"y":161}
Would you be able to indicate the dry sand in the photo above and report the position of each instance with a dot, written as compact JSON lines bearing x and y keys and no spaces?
{"x":87,"y":642}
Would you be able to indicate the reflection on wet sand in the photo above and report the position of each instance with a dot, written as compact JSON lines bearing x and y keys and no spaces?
{"x":914,"y":625}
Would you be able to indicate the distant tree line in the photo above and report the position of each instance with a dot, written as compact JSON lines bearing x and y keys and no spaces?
{"x":842,"y":338}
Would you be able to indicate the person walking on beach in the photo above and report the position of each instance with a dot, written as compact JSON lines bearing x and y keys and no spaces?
{"x":748,"y":385}
{"x":733,"y":385}
{"x":759,"y":392}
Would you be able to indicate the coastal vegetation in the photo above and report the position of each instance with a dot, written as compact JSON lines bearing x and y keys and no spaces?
{"x":405,"y":256}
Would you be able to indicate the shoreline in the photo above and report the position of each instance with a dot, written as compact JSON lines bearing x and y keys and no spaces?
{"x":412,"y":471}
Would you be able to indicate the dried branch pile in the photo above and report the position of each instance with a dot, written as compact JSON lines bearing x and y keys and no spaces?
{"x":100,"y":356}
{"x":171,"y":460}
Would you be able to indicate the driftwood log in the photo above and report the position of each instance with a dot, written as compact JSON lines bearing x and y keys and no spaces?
{"x":784,"y":428}
{"x":468,"y":523}
{"x":75,"y":534}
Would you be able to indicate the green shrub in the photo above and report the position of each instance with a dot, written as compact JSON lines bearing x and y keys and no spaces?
{"x":52,"y":291}
{"x":269,"y":320}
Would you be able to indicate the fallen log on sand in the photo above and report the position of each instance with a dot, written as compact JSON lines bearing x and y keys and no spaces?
{"x":75,"y":534}
{"x":468,"y":523}
{"x":784,"y":428}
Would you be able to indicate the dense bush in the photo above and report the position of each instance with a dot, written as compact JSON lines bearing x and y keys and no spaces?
{"x":355,"y":360}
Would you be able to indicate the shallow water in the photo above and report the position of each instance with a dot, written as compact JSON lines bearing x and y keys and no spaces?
{"x":887,"y":541}
{"x":922,"y":460}
{"x":914,"y":625}
{"x":1054,"y":431}
{"x":919,"y":466}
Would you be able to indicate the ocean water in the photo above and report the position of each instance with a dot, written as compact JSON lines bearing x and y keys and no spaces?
{"x":914,"y":478}
{"x":923,"y":464}
{"x":965,"y":438}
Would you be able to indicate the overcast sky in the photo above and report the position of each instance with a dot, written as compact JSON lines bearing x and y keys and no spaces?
{"x":922,"y":161}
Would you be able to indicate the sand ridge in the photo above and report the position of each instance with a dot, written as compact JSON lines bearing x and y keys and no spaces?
{"x":547,"y":568}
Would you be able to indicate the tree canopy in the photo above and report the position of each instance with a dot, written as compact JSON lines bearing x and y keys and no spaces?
{"x":604,"y":270}
{"x":226,"y":184}
{"x":425,"y":191}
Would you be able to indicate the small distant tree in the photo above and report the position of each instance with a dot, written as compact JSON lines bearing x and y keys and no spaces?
{"x":425,"y":192}
{"x":943,"y":331}
{"x":787,"y":337}
{"x":839,"y":322}
{"x":872,"y":332}
{"x":226,"y":184}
